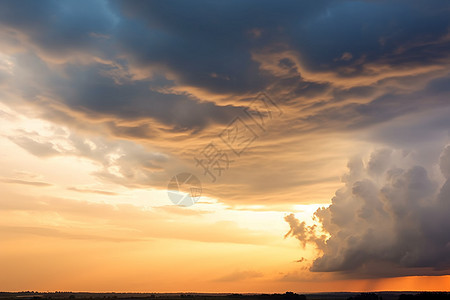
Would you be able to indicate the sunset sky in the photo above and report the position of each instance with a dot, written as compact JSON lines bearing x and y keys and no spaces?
{"x":318,"y":130}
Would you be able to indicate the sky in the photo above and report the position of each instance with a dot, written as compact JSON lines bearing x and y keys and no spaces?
{"x":224,"y":146}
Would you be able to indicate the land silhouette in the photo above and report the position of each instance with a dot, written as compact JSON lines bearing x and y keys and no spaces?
{"x":32,"y":295}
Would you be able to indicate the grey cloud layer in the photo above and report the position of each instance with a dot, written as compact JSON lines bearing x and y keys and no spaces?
{"x":209,"y":45}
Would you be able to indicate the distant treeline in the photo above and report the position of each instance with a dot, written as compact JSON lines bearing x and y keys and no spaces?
{"x":195,"y":296}
{"x":419,"y":296}
{"x":428,"y":295}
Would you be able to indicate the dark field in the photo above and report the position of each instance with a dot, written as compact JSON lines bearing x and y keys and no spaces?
{"x":202,"y":296}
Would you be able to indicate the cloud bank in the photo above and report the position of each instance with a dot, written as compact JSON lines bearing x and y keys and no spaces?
{"x":390,"y":219}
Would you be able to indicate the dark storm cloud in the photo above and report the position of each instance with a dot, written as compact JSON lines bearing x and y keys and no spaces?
{"x":390,"y":219}
{"x":384,"y":108}
{"x":136,"y":99}
{"x":98,"y":91}
{"x":396,"y":32}
{"x":60,"y":27}
{"x":210,"y":45}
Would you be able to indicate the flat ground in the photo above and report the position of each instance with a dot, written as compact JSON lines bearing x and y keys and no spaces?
{"x":199,"y":296}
